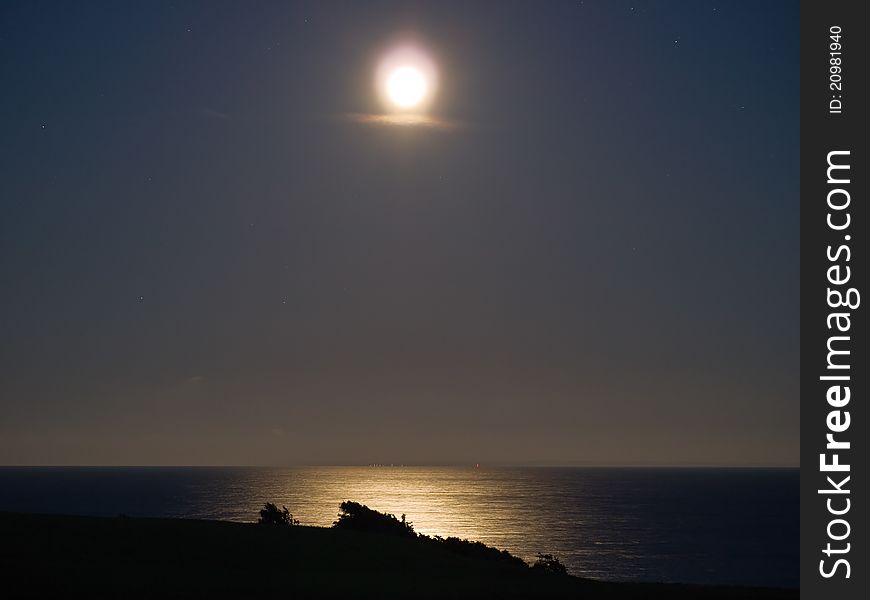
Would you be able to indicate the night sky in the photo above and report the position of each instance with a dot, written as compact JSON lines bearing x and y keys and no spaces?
{"x":213,"y":252}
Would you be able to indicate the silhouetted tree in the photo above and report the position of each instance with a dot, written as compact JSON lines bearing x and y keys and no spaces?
{"x":550,"y":564}
{"x":272,"y":515}
{"x":353,"y":515}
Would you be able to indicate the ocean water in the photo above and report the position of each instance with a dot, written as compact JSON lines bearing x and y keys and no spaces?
{"x":716,"y":526}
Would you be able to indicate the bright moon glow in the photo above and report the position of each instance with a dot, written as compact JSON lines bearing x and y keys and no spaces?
{"x":406,"y":87}
{"x":406,"y":79}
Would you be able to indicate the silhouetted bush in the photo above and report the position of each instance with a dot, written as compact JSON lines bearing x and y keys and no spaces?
{"x":272,"y":515}
{"x":550,"y":564}
{"x":477,"y":550}
{"x":353,"y":515}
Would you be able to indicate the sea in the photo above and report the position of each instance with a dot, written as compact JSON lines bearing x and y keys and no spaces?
{"x":687,"y":525}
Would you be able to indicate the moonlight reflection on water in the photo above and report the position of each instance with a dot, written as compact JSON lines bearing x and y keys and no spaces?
{"x":734,"y":526}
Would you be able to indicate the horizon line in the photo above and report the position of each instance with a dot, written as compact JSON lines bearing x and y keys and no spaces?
{"x":469,"y":465}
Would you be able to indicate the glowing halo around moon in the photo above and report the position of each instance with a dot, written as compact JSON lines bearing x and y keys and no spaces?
{"x":406,"y":79}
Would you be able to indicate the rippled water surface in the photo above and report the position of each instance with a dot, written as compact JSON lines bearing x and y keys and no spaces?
{"x":728,"y":526}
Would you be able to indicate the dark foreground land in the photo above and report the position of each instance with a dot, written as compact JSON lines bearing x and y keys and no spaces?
{"x":48,"y":556}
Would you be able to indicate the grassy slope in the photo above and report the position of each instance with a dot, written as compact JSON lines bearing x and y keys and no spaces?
{"x":60,"y":556}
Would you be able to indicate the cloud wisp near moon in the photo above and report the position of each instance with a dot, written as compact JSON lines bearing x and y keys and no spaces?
{"x":402,"y":120}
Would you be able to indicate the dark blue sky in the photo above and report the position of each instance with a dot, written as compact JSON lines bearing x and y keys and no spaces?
{"x":206,"y":258}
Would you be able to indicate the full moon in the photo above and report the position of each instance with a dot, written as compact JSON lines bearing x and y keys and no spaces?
{"x":406,"y":79}
{"x":406,"y":87}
